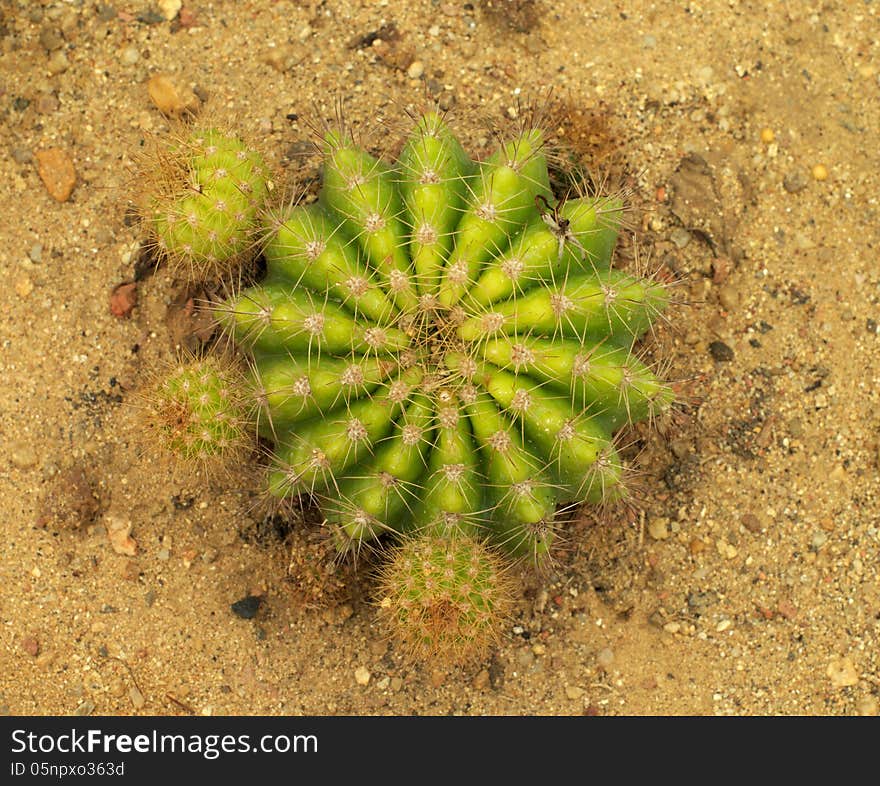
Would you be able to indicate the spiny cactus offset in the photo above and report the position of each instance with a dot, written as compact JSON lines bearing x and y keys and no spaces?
{"x":201,"y":413}
{"x":205,"y":194}
{"x":442,"y":354}
{"x":444,"y":594}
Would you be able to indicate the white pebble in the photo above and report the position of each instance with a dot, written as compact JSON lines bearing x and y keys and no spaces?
{"x":658,"y":528}
{"x":416,"y":69}
{"x":842,"y":672}
{"x":169,"y":8}
{"x":362,"y":676}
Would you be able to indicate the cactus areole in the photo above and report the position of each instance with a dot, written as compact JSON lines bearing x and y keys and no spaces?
{"x":442,"y":347}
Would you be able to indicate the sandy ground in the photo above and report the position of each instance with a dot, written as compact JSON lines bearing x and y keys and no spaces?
{"x":746,"y":581}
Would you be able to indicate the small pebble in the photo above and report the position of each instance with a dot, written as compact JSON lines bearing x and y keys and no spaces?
{"x":24,"y":286}
{"x":168,"y":99}
{"x":57,"y":173}
{"x":573,"y":692}
{"x":820,"y":172}
{"x":751,"y":522}
{"x":723,"y":626}
{"x":70,"y":500}
{"x":51,"y":39}
{"x":188,"y":18}
{"x":720,"y":352}
{"x":169,"y":8}
{"x":868,"y":706}
{"x":842,"y":673}
{"x":86,"y":708}
{"x":123,"y":299}
{"x":658,"y":528}
{"x":681,"y":237}
{"x":31,"y":646}
{"x":247,"y":607}
{"x":119,"y":535}
{"x":362,"y":676}
{"x":130,"y":55}
{"x":415,"y":70}
{"x":438,"y":677}
{"x":728,"y":297}
{"x":36,"y":253}
{"x":58,"y":63}
{"x":767,"y":135}
{"x":481,"y":680}
{"x":787,"y":610}
{"x":605,"y":658}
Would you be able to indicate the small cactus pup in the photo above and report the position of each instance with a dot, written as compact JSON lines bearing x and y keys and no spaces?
{"x":442,"y":354}
{"x":200,"y":413}
{"x":205,"y":191}
{"x":444,"y":594}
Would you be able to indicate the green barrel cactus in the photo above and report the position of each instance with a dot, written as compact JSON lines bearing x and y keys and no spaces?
{"x":442,"y":355}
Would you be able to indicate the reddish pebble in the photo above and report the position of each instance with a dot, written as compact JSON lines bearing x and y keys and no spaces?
{"x":31,"y":646}
{"x":57,"y":173}
{"x":187,"y":18}
{"x":123,"y":299}
{"x":787,"y":610}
